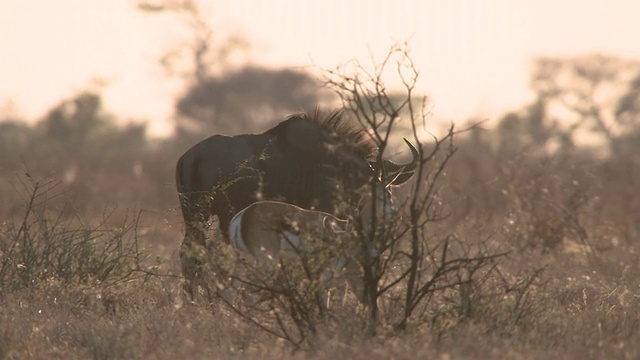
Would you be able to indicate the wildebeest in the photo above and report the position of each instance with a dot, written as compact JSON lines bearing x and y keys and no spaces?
{"x":312,"y":160}
{"x":314,"y":240}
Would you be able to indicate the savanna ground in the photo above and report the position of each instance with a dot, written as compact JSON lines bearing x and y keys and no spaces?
{"x":89,"y":245}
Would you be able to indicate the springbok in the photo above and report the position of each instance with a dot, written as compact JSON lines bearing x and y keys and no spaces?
{"x":273,"y":233}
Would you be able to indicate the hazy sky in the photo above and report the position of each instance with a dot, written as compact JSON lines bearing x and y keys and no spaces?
{"x":473,"y":56}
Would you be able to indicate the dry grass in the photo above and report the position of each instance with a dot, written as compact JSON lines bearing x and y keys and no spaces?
{"x":578,"y":313}
{"x":577,"y":304}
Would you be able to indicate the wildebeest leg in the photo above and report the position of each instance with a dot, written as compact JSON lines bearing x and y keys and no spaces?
{"x":193,"y":251}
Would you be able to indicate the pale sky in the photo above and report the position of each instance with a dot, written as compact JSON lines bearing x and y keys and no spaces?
{"x":473,"y":56}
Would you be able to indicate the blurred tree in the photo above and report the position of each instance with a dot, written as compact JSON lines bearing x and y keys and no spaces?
{"x":539,"y":171}
{"x":194,"y":60}
{"x":628,"y":115}
{"x":80,"y":143}
{"x":219,"y":97}
{"x":628,"y":107}
{"x":74,"y":121}
{"x":531,"y":131}
{"x":231,"y":103}
{"x":14,"y":136}
{"x":592,"y":94}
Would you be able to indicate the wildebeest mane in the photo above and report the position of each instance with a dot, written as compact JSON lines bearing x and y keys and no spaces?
{"x":342,"y":131}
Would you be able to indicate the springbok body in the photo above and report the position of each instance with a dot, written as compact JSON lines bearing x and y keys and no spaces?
{"x":267,"y":229}
{"x":271,"y":231}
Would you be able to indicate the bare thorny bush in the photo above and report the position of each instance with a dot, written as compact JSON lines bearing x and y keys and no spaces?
{"x":421,"y":273}
{"x":52,"y":246}
{"x":420,"y":264}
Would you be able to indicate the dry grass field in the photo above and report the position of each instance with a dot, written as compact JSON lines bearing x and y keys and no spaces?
{"x":73,"y":288}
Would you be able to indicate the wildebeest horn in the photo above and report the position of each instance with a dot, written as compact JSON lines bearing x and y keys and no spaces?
{"x":398,"y":174}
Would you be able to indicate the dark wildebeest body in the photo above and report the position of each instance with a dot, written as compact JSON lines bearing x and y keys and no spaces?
{"x":312,"y":161}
